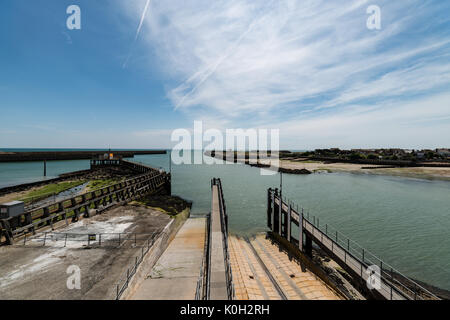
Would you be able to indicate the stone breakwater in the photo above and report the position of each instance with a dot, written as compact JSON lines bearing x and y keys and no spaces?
{"x":259,"y":164}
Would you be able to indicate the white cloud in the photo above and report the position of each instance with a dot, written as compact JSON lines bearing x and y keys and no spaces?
{"x":243,"y":61}
{"x":415,"y":124}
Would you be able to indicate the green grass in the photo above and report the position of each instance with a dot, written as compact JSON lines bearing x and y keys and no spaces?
{"x":50,"y":189}
{"x":98,"y":184}
{"x":171,"y":205}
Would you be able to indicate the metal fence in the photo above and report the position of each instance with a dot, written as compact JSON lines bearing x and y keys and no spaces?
{"x":71,"y":239}
{"x":202,"y":290}
{"x":144,"y":241}
{"x":124,"y":281}
{"x":224,"y":225}
{"x":353,"y":254}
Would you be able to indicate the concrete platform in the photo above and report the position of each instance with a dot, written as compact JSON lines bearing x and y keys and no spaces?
{"x":37,"y":272}
{"x":251,"y":282}
{"x":175,"y":275}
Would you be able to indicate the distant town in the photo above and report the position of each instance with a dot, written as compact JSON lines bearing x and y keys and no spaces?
{"x":411,"y":155}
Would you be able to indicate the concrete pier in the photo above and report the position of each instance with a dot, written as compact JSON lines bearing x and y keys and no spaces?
{"x":218,"y":282}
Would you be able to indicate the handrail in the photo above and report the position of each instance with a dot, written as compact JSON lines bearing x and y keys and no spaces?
{"x":127,"y":276}
{"x":224,"y":226}
{"x":99,"y":238}
{"x":353,"y":250}
{"x":202,"y":290}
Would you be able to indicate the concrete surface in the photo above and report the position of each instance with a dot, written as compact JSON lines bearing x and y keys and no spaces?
{"x":252,"y":283}
{"x":175,"y":275}
{"x":35,"y":271}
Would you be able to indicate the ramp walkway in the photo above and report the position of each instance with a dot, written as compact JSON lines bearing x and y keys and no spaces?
{"x":175,"y":275}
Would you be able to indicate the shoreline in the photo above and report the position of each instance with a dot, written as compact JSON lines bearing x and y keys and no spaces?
{"x":427,"y":173}
{"x":311,"y":166}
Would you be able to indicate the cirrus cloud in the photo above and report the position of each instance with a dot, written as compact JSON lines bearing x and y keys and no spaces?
{"x":255,"y":63}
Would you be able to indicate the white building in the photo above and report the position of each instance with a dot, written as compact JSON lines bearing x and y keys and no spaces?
{"x":443,"y":152}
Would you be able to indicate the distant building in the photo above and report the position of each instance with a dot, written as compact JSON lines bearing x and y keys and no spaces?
{"x":397,"y":152}
{"x":420,"y":154}
{"x":364,"y":151}
{"x":443,"y":152}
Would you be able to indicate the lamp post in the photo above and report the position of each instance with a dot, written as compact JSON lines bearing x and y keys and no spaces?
{"x":170,"y":161}
{"x":281,"y":184}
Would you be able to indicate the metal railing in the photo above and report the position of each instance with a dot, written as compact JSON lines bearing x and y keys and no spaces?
{"x":224,"y":225}
{"x":202,"y":289}
{"x":354,"y":255}
{"x":124,"y":281}
{"x":135,"y":240}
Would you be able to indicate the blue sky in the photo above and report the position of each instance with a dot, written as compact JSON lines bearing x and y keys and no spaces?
{"x":309,"y":68}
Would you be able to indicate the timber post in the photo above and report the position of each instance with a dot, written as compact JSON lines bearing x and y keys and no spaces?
{"x":6,"y":229}
{"x":269,"y":208}
{"x":288,"y":224}
{"x":300,"y":229}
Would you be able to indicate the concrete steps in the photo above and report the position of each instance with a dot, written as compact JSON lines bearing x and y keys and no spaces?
{"x":262,"y":271}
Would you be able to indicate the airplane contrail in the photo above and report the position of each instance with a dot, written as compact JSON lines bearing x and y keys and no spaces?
{"x":144,"y":13}
{"x":212,"y":68}
{"x":138,"y":31}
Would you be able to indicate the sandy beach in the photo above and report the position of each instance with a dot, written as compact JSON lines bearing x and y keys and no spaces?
{"x":412,"y":172}
{"x":430,"y":173}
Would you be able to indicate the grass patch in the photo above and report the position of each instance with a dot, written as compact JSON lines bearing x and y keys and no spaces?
{"x":50,"y":189}
{"x":171,"y":205}
{"x":98,"y":184}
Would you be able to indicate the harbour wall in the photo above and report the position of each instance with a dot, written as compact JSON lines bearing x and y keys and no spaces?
{"x":70,"y":155}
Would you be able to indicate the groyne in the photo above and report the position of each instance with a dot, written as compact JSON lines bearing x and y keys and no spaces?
{"x":145,"y":181}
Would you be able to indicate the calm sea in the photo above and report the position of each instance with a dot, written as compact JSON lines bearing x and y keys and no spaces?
{"x":404,"y":221}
